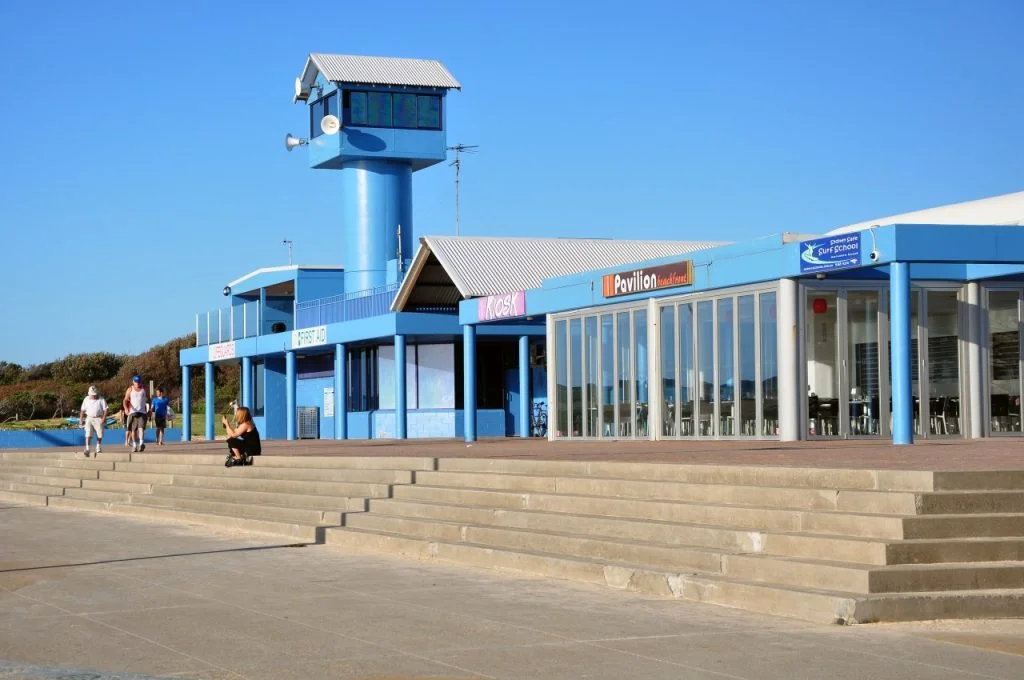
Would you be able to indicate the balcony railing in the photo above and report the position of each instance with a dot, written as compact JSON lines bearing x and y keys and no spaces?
{"x":359,"y":305}
{"x":229,"y":323}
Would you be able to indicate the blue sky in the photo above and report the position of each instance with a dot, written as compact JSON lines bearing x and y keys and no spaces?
{"x":143,"y":166}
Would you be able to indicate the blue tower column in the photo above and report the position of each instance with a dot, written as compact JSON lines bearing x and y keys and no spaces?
{"x":210,"y":405}
{"x":469,"y":384}
{"x":340,"y":392}
{"x":400,"y":394}
{"x":186,"y":403}
{"x":247,"y":383}
{"x":376,"y":198}
{"x":524,"y":386}
{"x":289,"y":395}
{"x":899,"y":336}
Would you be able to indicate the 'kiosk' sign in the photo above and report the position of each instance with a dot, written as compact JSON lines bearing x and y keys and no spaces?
{"x":648,"y":279}
{"x":503,"y":306}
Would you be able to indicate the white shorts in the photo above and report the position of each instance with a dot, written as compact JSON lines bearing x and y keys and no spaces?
{"x":94,"y":425}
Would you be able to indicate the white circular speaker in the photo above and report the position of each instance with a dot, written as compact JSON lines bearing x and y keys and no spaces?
{"x":330,"y":124}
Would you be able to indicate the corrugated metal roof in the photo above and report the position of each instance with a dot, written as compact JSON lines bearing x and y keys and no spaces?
{"x":487,"y":265}
{"x":1007,"y":209}
{"x":346,"y":68}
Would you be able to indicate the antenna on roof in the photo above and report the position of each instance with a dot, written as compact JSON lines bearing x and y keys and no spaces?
{"x":289,"y":244}
{"x":458,"y":149}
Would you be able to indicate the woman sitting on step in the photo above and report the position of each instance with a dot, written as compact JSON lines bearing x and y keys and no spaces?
{"x":243,"y":439}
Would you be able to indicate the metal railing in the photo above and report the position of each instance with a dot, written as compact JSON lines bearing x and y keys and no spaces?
{"x":359,"y":305}
{"x":229,"y":323}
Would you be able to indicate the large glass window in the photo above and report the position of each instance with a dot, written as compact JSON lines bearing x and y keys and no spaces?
{"x":668,"y":370}
{"x":821,"y":334}
{"x":607,"y":375}
{"x":561,"y":385}
{"x":625,"y":396}
{"x":706,"y":367}
{"x":747,"y":367}
{"x":943,"y":362}
{"x":687,"y":372}
{"x":640,"y":388}
{"x":317,"y":110}
{"x":726,"y":369}
{"x":769,"y":366}
{"x":862,"y":362}
{"x":576,"y":377}
{"x":1004,"y":361}
{"x":385,"y":109}
{"x":590,"y":390}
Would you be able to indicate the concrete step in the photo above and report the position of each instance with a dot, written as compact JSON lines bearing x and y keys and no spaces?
{"x":796,"y":602}
{"x":766,"y":476}
{"x":988,"y":480}
{"x":68,"y":464}
{"x":22,"y":498}
{"x":934,"y":551}
{"x":242,"y":480}
{"x":965,"y":502}
{"x":292,"y":500}
{"x":736,"y":517}
{"x":45,"y":480}
{"x":269,"y":512}
{"x":98,"y":495}
{"x":775,"y":497}
{"x":290,"y":530}
{"x":374,"y":476}
{"x":294,"y":462}
{"x":120,"y":487}
{"x":111,"y":452}
{"x":22,"y":487}
{"x":989,"y":525}
{"x":842,"y":576}
{"x":668,"y":533}
{"x":654,"y":555}
{"x":136,"y":477}
{"x":49,"y":471}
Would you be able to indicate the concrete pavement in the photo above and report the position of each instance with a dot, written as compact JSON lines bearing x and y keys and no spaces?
{"x":119,"y":595}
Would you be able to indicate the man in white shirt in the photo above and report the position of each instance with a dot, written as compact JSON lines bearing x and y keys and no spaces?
{"x":137,"y":405}
{"x":92,"y":416}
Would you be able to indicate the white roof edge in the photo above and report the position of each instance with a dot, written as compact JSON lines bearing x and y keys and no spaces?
{"x":415,"y":267}
{"x":1004,"y":209}
{"x":283,"y":268}
{"x":460,"y":284}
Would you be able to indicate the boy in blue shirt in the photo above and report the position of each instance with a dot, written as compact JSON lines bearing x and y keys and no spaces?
{"x":160,"y":402}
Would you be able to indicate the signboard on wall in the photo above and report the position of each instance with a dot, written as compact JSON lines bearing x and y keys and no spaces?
{"x":647,"y":279}
{"x":503,"y":306}
{"x":328,"y":402}
{"x":309,"y":337}
{"x":222,"y":350}
{"x":831,"y":252}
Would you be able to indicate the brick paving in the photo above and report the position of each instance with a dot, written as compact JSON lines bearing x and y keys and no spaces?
{"x":986,"y":454}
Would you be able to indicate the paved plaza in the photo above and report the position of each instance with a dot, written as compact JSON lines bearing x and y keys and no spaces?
{"x":112,"y":597}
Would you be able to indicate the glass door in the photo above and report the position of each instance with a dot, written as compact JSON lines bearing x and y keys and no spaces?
{"x":940,"y":393}
{"x":1004,"y":361}
{"x":821,"y":341}
{"x":862,"y":364}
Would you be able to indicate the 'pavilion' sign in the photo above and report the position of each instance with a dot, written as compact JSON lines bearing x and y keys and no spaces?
{"x":648,"y":279}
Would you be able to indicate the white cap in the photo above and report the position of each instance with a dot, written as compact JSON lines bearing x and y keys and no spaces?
{"x":92,"y":391}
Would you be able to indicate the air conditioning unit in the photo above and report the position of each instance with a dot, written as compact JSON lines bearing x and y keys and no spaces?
{"x":538,"y":357}
{"x":307,"y":420}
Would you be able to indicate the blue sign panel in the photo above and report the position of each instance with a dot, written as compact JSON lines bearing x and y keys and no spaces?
{"x":831,"y":252}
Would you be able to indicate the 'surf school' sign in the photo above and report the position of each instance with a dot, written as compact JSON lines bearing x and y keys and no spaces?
{"x":648,"y":279}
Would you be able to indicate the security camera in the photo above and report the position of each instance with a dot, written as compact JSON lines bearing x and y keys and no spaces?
{"x":227,"y":290}
{"x":874,"y":255}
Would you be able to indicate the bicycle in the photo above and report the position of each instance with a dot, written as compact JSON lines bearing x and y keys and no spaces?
{"x":539,"y":420}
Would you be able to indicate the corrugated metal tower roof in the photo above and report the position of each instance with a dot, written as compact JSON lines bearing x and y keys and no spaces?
{"x":487,"y":265}
{"x":1007,"y":209}
{"x":345,"y":68}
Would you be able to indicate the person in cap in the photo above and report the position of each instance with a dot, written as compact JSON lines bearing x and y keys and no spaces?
{"x":92,"y":416}
{"x":160,"y":410}
{"x":137,"y":406}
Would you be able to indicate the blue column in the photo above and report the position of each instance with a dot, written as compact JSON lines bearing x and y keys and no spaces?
{"x":524,"y":386}
{"x":340,"y":392}
{"x":899,"y":336}
{"x":469,"y":385}
{"x":210,"y":405}
{"x":400,"y":403}
{"x":186,"y":403}
{"x":247,"y":383}
{"x":289,"y":395}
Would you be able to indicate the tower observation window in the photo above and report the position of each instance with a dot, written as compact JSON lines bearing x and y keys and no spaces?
{"x":392,"y":110}
{"x":322,"y":107}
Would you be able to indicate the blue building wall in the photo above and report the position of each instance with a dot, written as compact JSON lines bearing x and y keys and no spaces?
{"x":32,"y":439}
{"x":310,"y":392}
{"x":274,"y":399}
{"x":278,"y":309}
{"x":311,"y":285}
